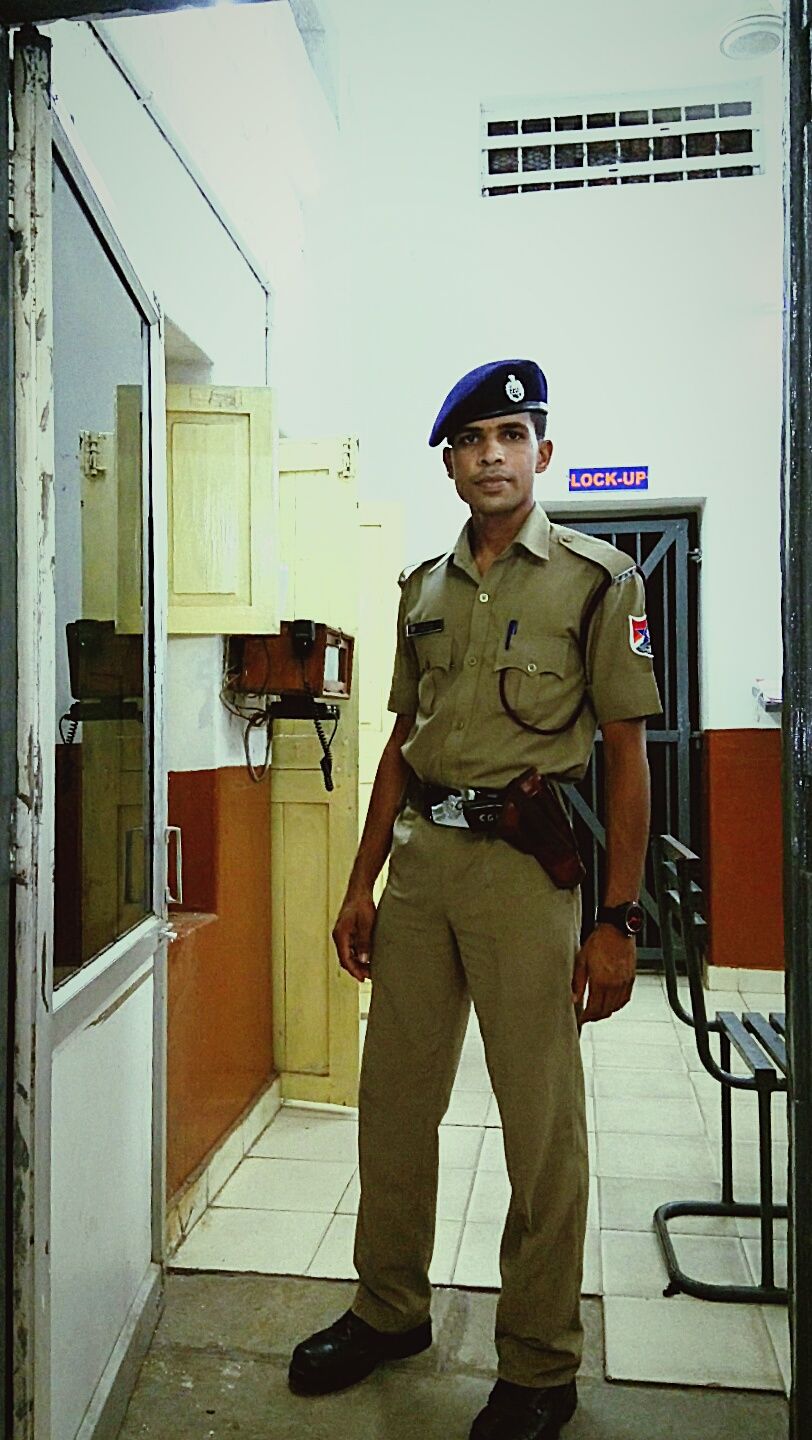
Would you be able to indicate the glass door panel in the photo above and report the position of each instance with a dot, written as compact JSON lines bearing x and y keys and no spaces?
{"x":103,"y":782}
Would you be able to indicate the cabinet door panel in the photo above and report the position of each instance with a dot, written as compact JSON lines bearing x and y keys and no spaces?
{"x":223,"y":511}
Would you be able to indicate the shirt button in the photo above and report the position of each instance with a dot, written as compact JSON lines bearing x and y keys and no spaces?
{"x":531,"y":669}
{"x":460,"y":725}
{"x":472,"y":659}
{"x":483,"y":599}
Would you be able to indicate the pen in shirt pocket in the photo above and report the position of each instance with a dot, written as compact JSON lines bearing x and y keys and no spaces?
{"x":513,"y":626}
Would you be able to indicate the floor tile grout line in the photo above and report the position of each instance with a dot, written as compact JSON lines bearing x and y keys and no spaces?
{"x":475,"y":1170}
{"x":344,"y":1192}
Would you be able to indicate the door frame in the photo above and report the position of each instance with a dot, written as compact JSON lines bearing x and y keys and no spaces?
{"x":45,"y":1019}
{"x":8,"y":704}
{"x":796,"y":555}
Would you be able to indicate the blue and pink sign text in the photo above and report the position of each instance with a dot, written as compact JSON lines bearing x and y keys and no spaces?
{"x":627,"y":478}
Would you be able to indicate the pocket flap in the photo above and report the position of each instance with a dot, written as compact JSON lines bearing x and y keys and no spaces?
{"x":433,"y":651}
{"x":548,"y":654}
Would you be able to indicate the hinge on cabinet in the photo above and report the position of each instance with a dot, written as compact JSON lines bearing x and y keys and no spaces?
{"x":696,"y":556}
{"x":91,"y":454}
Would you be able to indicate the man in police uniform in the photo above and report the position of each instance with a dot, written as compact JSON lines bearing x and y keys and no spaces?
{"x":510,"y":651}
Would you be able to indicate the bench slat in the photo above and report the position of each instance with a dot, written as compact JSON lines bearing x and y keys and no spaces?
{"x":749,"y":1049}
{"x":767,"y":1037}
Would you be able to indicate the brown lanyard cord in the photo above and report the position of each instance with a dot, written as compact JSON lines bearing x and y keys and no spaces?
{"x":583,"y":638}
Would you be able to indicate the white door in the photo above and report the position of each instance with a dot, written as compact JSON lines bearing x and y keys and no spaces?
{"x":91,"y":820}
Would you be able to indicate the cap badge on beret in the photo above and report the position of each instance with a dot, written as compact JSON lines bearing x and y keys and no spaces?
{"x":514,"y":389}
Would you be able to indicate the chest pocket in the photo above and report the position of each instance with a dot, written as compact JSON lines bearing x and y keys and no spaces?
{"x":539,"y":675}
{"x":434,"y":661}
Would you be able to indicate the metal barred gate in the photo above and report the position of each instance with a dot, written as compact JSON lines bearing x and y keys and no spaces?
{"x":665,"y":549}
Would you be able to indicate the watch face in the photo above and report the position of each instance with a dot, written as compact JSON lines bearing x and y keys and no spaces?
{"x":634,"y":919}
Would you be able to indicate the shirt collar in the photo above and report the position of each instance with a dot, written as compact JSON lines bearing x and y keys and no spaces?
{"x":534,"y":536}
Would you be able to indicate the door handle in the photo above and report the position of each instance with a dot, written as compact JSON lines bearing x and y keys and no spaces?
{"x":170,"y":898}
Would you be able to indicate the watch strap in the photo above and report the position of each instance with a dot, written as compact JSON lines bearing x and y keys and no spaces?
{"x":627,"y":918}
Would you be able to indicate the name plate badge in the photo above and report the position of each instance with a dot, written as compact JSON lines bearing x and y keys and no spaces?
{"x":628,"y":477}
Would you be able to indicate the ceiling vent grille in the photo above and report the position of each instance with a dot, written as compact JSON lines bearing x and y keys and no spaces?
{"x":529,"y":149}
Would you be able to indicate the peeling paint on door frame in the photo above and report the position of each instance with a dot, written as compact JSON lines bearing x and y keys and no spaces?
{"x":8,"y":691}
{"x":34,"y":818}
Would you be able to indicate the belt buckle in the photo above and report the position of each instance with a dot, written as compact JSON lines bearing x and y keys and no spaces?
{"x":449,"y":812}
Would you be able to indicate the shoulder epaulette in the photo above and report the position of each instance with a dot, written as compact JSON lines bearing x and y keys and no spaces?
{"x":600,"y":552}
{"x":421,"y":565}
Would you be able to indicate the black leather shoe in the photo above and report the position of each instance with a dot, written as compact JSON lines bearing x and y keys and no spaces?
{"x":519,"y":1412}
{"x":347,"y":1351}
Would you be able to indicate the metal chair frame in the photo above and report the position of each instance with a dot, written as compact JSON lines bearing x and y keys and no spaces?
{"x":761,"y":1046}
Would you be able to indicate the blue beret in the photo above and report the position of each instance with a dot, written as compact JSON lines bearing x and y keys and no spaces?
{"x":495,"y":389}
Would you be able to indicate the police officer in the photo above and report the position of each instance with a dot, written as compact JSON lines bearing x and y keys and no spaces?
{"x":510,"y":651}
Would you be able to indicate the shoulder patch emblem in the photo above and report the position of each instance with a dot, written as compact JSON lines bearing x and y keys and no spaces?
{"x":626,"y":574}
{"x":639,"y":637}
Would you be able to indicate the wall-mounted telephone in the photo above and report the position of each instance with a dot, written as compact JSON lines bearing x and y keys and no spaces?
{"x":302,"y":666}
{"x":305,"y":658}
{"x":106,"y":674}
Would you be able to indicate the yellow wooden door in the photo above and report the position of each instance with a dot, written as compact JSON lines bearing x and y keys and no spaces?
{"x":315,"y":833}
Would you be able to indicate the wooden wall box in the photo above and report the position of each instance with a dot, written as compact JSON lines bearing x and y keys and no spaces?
{"x":270,"y":666}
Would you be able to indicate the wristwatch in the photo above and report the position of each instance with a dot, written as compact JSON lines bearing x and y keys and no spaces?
{"x":628,"y":918}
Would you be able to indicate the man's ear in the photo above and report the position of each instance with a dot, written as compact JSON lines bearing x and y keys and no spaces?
{"x":544,"y":456}
{"x":448,"y":461}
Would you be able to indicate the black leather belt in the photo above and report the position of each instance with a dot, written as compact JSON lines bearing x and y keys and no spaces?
{"x":467,"y":809}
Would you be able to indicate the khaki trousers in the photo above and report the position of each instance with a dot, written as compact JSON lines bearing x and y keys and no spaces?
{"x":466,"y":915}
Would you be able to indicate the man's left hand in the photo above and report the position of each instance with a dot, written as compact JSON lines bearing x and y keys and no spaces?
{"x":606,"y":963}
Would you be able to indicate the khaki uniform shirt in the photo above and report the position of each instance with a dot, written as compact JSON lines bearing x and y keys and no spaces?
{"x":453,"y":629}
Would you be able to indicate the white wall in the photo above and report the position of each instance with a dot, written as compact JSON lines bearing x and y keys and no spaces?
{"x":655,"y":310}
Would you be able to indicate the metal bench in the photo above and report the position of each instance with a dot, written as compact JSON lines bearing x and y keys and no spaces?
{"x":761,"y":1043}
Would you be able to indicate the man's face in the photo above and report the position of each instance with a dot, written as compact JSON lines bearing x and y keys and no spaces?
{"x":493,"y":463}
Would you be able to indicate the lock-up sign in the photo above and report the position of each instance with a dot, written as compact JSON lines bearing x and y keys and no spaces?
{"x":625,"y":477}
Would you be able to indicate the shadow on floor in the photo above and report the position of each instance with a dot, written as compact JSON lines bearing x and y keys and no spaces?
{"x":218,"y":1366}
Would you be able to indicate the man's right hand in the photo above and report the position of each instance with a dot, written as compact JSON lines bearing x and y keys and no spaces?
{"x":352,"y":934}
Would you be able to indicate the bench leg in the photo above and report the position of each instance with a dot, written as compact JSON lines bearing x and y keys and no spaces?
{"x":727,"y":1125}
{"x":765,"y":1169}
{"x":680,"y":1282}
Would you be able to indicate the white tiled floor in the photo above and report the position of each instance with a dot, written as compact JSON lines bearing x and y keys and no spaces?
{"x":653,"y":1116}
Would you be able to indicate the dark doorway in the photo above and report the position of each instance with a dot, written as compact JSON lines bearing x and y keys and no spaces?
{"x":665,"y":548}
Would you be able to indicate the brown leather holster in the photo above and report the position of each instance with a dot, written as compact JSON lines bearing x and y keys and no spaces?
{"x":533,"y":820}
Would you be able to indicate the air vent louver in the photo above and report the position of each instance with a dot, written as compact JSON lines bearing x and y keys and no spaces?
{"x":524,"y":150}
